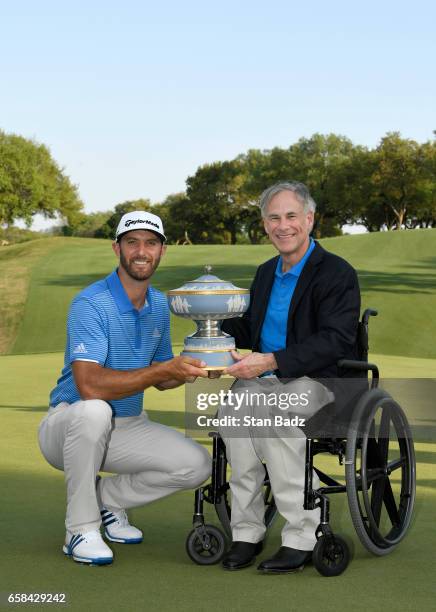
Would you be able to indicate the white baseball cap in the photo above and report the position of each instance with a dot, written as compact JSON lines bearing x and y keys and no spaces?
{"x":139,"y":219}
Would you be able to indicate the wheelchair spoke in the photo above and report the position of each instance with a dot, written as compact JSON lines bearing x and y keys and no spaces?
{"x":373,"y":460}
{"x":383,"y":437}
{"x":374,"y":474}
{"x":378,"y":489}
{"x":395,"y":464}
{"x":212,"y":550}
{"x":199,"y":548}
{"x":391,"y":506}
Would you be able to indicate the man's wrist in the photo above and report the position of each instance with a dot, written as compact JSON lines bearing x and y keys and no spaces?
{"x":160,"y":371}
{"x":270,"y":362}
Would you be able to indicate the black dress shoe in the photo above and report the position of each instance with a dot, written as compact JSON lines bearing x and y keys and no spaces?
{"x":241,"y":554}
{"x":285,"y":561}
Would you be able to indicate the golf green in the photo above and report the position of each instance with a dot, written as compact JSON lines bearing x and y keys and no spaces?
{"x":158,"y":575}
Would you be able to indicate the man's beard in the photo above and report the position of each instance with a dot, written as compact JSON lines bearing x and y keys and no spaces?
{"x":137,"y":275}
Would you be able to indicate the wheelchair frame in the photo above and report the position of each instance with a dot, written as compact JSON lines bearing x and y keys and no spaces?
{"x":367,"y":477}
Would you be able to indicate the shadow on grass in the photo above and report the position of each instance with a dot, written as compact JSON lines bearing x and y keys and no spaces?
{"x":398,"y":283}
{"x":426,"y":457}
{"x":175,"y":418}
{"x":171,"y":277}
{"x":26,"y":408}
{"x":172,"y":418}
{"x":166,"y":277}
{"x":71,"y":280}
{"x":425,"y":264}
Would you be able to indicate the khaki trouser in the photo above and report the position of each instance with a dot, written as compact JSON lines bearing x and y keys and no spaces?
{"x":285,"y":460}
{"x":150,"y":460}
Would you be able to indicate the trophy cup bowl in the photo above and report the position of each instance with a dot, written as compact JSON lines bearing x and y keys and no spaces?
{"x":208,"y":300}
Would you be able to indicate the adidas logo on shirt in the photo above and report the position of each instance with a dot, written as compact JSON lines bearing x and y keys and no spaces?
{"x":156,"y":333}
{"x":80,"y":348}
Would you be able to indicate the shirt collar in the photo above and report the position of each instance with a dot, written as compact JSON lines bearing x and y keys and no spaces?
{"x":298,"y":268}
{"x":122,"y":299}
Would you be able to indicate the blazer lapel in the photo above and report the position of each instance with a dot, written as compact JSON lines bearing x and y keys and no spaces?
{"x":304,"y":280}
{"x":263,"y":291}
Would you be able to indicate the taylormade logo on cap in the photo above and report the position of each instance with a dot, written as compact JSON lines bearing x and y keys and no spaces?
{"x":139,"y":219}
{"x":135,"y":221}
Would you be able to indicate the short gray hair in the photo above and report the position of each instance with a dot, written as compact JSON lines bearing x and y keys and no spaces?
{"x":299,"y":189}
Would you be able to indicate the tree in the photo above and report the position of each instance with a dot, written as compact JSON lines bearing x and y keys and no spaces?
{"x":216,"y":197}
{"x":425,"y":212}
{"x":321,"y":162}
{"x":31,"y":182}
{"x":178,"y":217}
{"x":261,"y":170}
{"x":399,"y":180}
{"x":264,"y":168}
{"x":357,"y":190}
{"x":90,"y":225}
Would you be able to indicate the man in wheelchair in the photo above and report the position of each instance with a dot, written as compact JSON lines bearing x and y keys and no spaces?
{"x":303,"y":317}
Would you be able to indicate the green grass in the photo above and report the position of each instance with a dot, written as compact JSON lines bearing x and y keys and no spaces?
{"x":38,"y":280}
{"x":16,"y":264}
{"x":157,"y":575}
{"x":396,"y":271}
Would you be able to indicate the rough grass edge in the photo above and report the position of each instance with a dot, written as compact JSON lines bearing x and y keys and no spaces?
{"x":16,"y":264}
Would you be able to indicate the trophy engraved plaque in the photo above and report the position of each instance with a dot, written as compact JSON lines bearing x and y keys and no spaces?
{"x":208,"y":300}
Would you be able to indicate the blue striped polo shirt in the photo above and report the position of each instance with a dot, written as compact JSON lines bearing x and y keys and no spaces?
{"x":104,"y":327}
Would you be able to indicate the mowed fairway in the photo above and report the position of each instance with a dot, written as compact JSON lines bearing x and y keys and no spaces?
{"x":157,"y":575}
{"x":397,"y":275}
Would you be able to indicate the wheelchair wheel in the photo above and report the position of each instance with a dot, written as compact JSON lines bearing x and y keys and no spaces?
{"x":331,"y":555}
{"x":380,"y":472}
{"x":223,"y":509}
{"x":207,"y":548}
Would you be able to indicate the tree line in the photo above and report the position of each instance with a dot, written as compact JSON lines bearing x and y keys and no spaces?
{"x":32,"y":182}
{"x":391,"y":186}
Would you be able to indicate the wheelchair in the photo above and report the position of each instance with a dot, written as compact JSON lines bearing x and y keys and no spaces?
{"x":377,"y":452}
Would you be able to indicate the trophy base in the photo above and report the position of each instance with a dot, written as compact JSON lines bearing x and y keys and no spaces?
{"x":215,"y":360}
{"x":214,"y":350}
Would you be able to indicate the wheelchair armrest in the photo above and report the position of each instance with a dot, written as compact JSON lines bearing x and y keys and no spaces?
{"x":361,"y":366}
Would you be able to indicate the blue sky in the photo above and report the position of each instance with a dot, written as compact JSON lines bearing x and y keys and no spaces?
{"x":132,"y":97}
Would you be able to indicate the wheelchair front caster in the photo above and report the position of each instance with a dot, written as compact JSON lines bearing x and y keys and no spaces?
{"x":206,"y":545}
{"x":331,"y":555}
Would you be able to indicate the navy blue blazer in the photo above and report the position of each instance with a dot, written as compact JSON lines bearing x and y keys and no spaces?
{"x":322,"y":320}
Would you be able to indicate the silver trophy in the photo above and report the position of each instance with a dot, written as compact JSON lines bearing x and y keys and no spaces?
{"x":208,"y":300}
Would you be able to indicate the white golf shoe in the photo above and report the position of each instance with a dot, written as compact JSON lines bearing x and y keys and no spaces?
{"x":87,"y":548}
{"x":118,"y":529}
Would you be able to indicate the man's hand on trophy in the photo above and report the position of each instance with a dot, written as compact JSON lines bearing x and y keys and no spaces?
{"x":214,"y":373}
{"x":251,"y":365}
{"x":186,"y":369}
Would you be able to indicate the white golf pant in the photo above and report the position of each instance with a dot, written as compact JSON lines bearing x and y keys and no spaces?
{"x":150,"y":460}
